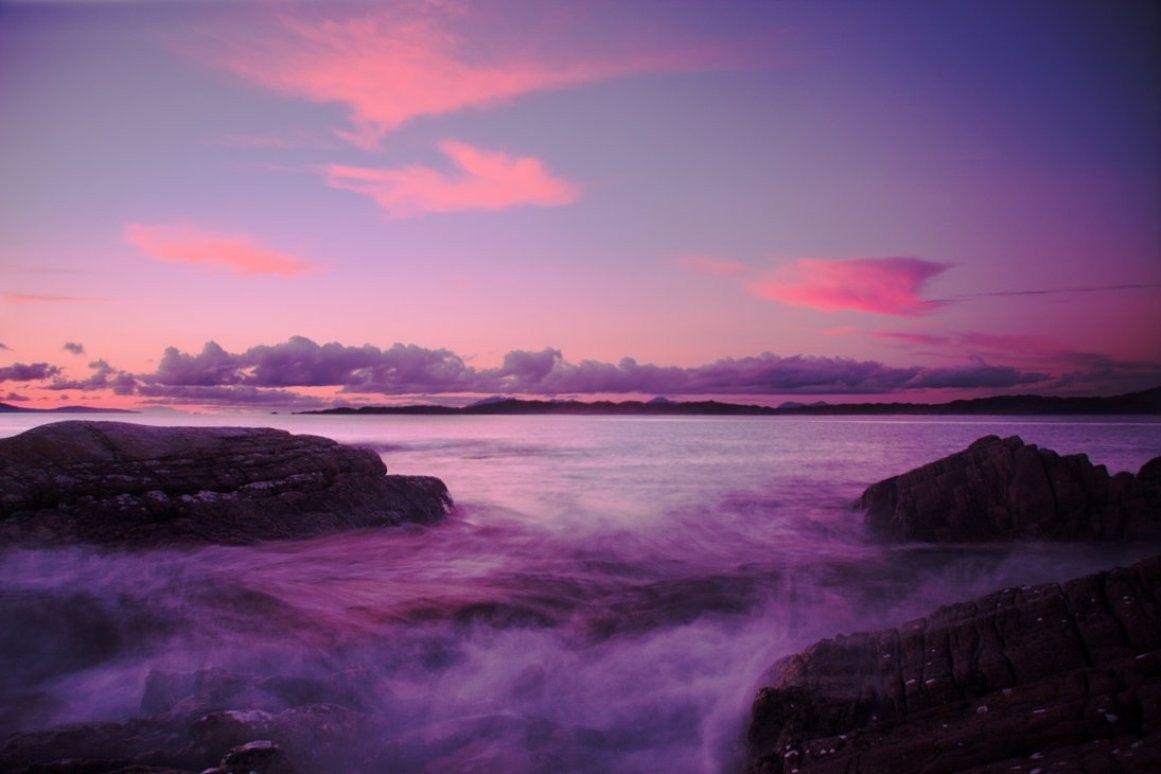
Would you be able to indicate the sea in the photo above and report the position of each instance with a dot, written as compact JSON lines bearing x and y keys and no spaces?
{"x":607,"y":595}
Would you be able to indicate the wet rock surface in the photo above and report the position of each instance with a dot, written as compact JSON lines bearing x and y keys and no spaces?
{"x":133,"y":485}
{"x":1003,"y":489}
{"x":1050,"y":677}
{"x":186,"y":727}
{"x":212,"y":719}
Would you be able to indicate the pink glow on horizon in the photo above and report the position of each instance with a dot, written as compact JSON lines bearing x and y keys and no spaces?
{"x":888,"y":286}
{"x":483,"y":180}
{"x":239,"y":253}
{"x":404,"y":62}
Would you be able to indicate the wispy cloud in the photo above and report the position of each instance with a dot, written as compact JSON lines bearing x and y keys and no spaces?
{"x":903,"y":337}
{"x":74,"y":348}
{"x":238,"y":253}
{"x":887,"y":286}
{"x":1060,"y":291}
{"x":481,"y":180}
{"x":409,"y":60}
{"x":43,"y":298}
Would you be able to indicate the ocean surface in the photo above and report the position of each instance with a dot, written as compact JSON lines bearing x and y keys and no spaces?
{"x":606,"y":596}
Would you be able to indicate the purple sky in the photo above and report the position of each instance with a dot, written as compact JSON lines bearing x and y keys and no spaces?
{"x":278,"y":204}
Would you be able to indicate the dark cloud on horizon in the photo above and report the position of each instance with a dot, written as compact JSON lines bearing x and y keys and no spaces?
{"x":28,"y":372}
{"x":410,"y":369}
{"x":74,"y":347}
{"x":104,"y":376}
{"x":1064,"y":370}
{"x":16,"y":397}
{"x":979,"y":375}
{"x":265,"y":375}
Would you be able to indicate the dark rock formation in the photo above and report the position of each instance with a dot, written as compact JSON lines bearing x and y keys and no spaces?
{"x":1004,"y":488}
{"x":136,"y":485}
{"x":258,"y":757}
{"x":1025,"y":677}
{"x":272,"y":725}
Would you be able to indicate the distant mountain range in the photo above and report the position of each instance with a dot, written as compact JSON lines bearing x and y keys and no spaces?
{"x":1144,"y":402}
{"x":8,"y":408}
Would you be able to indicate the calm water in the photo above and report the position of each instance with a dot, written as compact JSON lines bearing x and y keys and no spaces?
{"x":606,"y":596}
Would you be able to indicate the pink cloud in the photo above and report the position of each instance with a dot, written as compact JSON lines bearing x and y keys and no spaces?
{"x":708,"y":265}
{"x":408,"y":60}
{"x":482,"y":180}
{"x":183,"y":243}
{"x":889,"y":286}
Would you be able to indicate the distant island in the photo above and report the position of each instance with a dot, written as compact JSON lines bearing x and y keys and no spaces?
{"x":8,"y":408}
{"x":1144,"y":402}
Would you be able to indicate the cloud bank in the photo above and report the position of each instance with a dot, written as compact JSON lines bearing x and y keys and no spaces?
{"x":412,"y":370}
{"x":272,"y":374}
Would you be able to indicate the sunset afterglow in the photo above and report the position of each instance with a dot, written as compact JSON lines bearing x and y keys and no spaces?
{"x":279,"y":204}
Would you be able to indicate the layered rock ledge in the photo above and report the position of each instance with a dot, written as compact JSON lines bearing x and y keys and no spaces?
{"x":1004,"y":488}
{"x":1045,"y":677}
{"x":123,"y":484}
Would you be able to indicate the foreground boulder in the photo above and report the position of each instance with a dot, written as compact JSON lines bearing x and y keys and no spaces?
{"x":136,"y":485}
{"x":1021,"y":679}
{"x":1004,"y":488}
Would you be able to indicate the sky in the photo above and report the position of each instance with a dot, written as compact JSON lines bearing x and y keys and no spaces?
{"x":258,"y":204}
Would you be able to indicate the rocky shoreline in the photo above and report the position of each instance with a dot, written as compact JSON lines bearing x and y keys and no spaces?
{"x":1065,"y":675}
{"x":136,"y":486}
{"x":1023,"y":679}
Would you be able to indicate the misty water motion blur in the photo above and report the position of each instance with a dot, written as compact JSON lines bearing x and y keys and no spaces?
{"x":607,"y":595}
